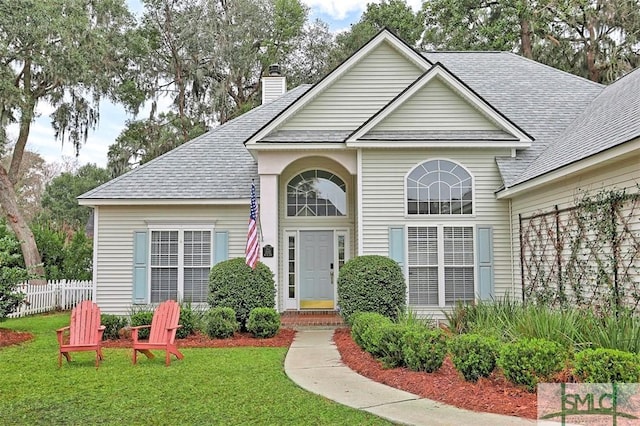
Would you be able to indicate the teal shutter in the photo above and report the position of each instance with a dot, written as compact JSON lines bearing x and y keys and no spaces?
{"x":140,"y":248}
{"x":485,"y":263}
{"x":221,"y":252}
{"x":396,"y":245}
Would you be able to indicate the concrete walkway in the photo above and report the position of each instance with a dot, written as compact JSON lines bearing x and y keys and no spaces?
{"x":313,"y":362}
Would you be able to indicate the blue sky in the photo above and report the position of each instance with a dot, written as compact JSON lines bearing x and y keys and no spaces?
{"x":339,"y":14}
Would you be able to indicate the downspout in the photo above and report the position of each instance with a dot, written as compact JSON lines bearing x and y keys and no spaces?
{"x":96,"y":241}
{"x":513,"y":263}
{"x":359,"y":200}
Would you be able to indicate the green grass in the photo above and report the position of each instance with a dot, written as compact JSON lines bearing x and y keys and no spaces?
{"x":210,"y":386}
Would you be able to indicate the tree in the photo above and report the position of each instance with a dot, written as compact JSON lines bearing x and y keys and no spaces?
{"x":396,"y":15}
{"x":33,"y":176}
{"x":59,"y":203}
{"x":144,"y":140}
{"x":69,"y":53}
{"x":596,"y":39}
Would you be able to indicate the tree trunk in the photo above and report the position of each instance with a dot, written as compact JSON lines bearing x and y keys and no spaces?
{"x":525,"y":39}
{"x":19,"y":225}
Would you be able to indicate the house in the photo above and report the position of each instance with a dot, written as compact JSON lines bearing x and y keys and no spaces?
{"x":427,"y":157}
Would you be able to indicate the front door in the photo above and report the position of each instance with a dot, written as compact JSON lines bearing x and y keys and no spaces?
{"x":316,"y":270}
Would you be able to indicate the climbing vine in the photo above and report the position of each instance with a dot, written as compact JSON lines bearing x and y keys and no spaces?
{"x":587,"y":255}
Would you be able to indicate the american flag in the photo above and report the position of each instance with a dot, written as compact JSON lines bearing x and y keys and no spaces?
{"x":253,"y":251}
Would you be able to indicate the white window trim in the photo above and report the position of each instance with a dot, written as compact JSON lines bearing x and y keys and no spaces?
{"x":181,"y":228}
{"x":440,"y":216}
{"x":441,"y":265}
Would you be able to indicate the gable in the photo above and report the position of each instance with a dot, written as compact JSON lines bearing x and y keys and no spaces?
{"x":359,"y":93}
{"x":439,"y":109}
{"x":436,"y":107}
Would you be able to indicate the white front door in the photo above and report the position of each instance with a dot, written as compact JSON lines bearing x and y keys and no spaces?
{"x":316,"y":270}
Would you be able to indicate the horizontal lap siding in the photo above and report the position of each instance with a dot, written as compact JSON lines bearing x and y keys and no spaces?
{"x":383,"y":183}
{"x":436,"y":107}
{"x":116,"y":227}
{"x":568,"y":192}
{"x":363,"y":90}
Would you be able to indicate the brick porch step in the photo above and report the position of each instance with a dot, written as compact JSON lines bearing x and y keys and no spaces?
{"x":310,"y":318}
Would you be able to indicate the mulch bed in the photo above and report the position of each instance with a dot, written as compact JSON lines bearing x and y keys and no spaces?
{"x":493,"y":394}
{"x":282,"y":340}
{"x":9,"y":337}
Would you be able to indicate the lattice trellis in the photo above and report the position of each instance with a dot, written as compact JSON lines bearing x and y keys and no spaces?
{"x":586,"y":256}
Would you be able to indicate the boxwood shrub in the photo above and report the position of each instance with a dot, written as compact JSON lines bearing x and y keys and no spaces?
{"x":423,"y":349}
{"x":390,"y":344}
{"x":263,"y":322}
{"x":142,"y":316}
{"x":360,"y":323}
{"x":362,"y":331}
{"x":221,"y":323}
{"x":607,"y":366}
{"x":112,"y":324}
{"x":473,"y":355}
{"x":235,"y":285}
{"x":371,"y":284}
{"x":529,"y":361}
{"x":188,"y":320}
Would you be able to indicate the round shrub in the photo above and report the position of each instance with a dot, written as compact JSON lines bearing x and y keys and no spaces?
{"x":221,"y":322}
{"x":188,"y":320}
{"x":607,"y":366}
{"x":473,"y":355}
{"x":263,"y":322}
{"x":424,"y":349}
{"x":371,"y":284}
{"x":529,"y":361}
{"x":390,"y":344}
{"x":112,"y":325}
{"x":143,"y":317}
{"x":235,"y":285}
{"x":362,"y":330}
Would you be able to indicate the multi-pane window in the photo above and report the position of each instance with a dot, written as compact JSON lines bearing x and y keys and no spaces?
{"x":441,"y":265}
{"x":316,"y":193}
{"x":439,"y":187}
{"x":291,"y":264}
{"x":180,"y":264}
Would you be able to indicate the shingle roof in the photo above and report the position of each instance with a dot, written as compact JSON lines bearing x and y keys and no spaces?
{"x":439,"y":135}
{"x":215,"y":165}
{"x":611,"y":119}
{"x":541,"y":100}
{"x":306,"y":136}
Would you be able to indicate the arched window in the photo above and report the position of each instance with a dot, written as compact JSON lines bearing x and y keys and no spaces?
{"x":439,"y":187}
{"x":316,"y":193}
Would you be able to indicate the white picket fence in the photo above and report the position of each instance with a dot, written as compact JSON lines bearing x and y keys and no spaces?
{"x":62,"y":294}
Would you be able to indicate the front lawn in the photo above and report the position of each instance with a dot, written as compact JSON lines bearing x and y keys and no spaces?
{"x":210,"y":386}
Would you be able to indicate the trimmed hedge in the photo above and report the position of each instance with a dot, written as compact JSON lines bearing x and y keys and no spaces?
{"x":529,"y":361}
{"x":606,"y":366}
{"x":142,"y":317}
{"x":364,"y":329}
{"x":235,"y":285}
{"x":263,"y":322}
{"x":188,"y":320}
{"x":473,"y":355}
{"x":424,"y":349}
{"x":221,"y":322}
{"x":113,"y":324}
{"x":371,"y":284}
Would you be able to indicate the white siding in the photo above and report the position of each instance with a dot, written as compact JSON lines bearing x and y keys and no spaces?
{"x":383,"y":193}
{"x":436,"y":107}
{"x":115,"y":243}
{"x":567,"y":192}
{"x":359,"y":93}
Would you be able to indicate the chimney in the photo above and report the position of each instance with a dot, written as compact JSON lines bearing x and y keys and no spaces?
{"x":273,"y":84}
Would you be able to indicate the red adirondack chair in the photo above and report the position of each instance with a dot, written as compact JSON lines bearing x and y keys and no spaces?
{"x":162,"y":334}
{"x":85,"y":332}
